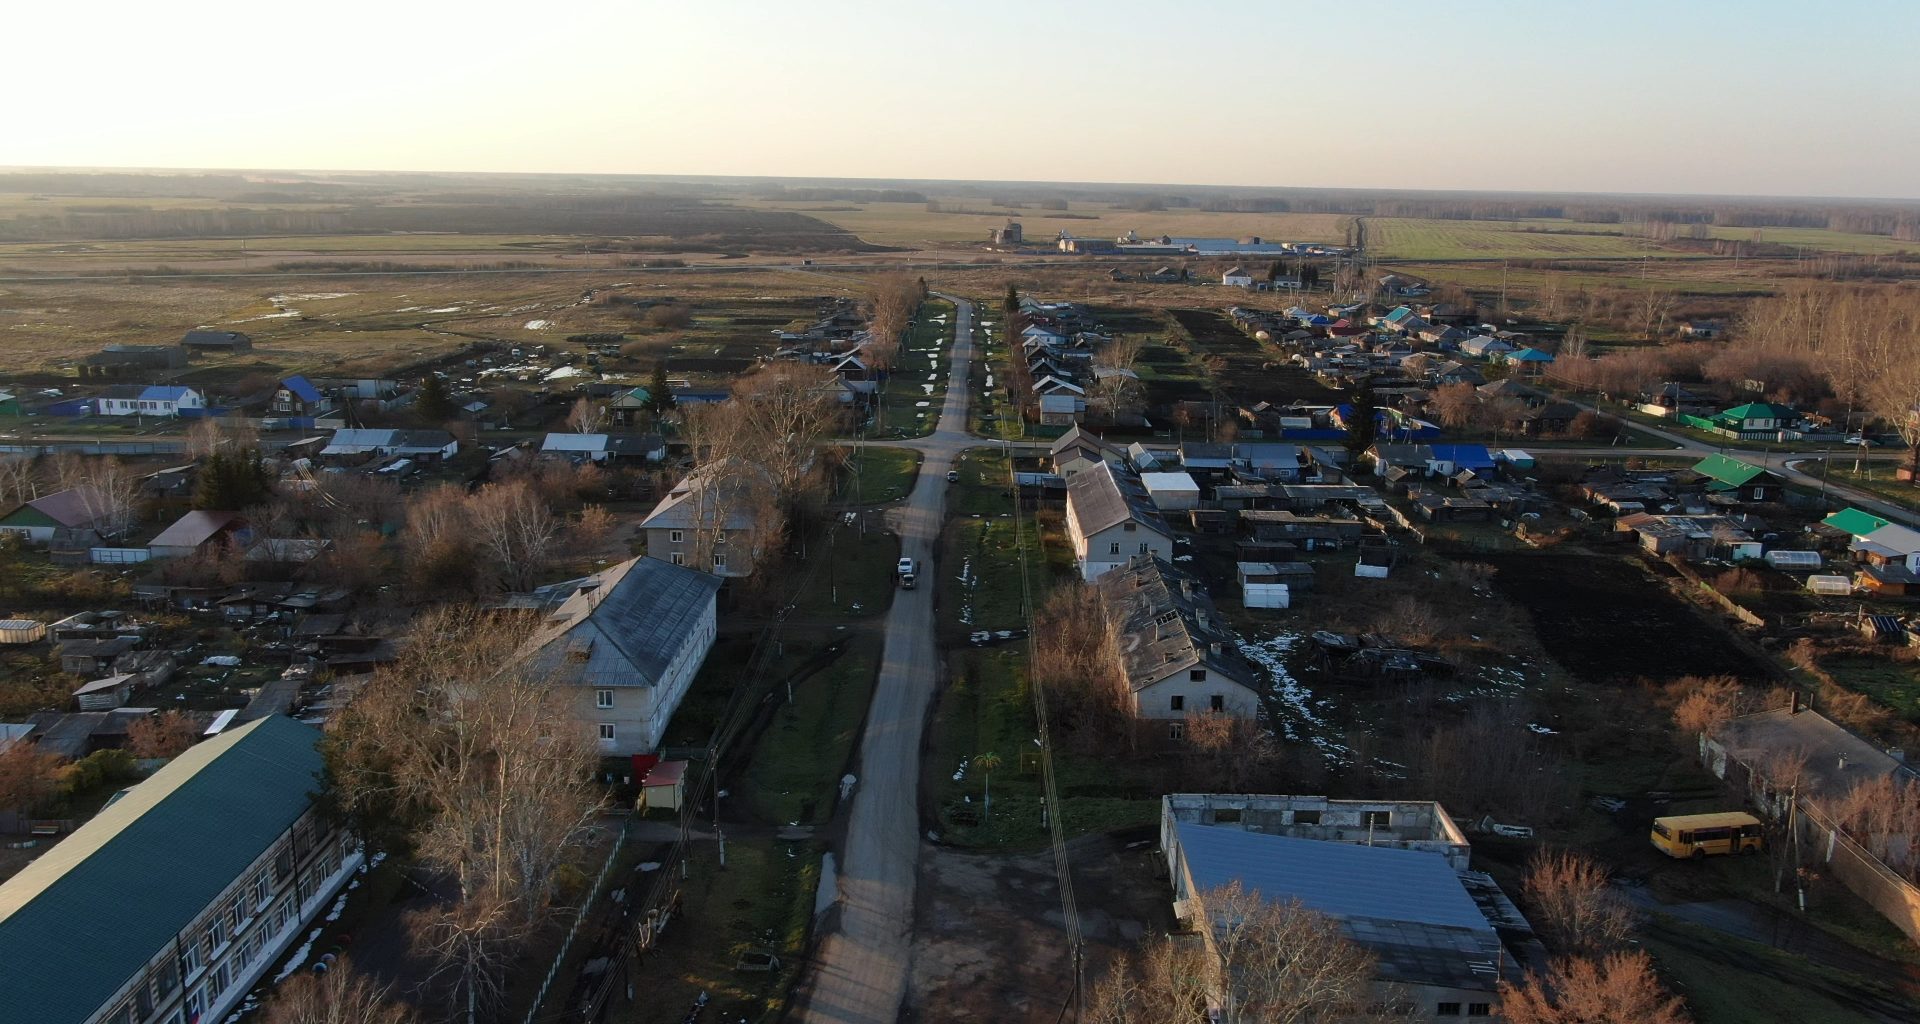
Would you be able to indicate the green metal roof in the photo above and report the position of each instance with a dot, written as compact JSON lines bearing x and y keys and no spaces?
{"x":25,"y":516}
{"x":1759,"y":411}
{"x":1724,"y":469}
{"x":89,"y":914}
{"x":1854,"y":521}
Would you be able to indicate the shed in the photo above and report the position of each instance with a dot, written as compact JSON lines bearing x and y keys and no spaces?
{"x":22,"y":631}
{"x":664,"y":786}
{"x":105,"y":694}
{"x":1171,"y":492}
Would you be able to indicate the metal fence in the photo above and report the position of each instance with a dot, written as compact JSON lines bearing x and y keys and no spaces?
{"x":586,"y":908}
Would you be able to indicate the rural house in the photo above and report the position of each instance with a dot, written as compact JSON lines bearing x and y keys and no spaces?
{"x":1110,"y":520}
{"x":1180,"y":656}
{"x":1237,"y":277}
{"x":629,"y":642}
{"x":298,"y":398}
{"x":75,"y":517}
{"x":196,"y":530}
{"x":1740,"y":481}
{"x":420,"y":445}
{"x":173,"y":902}
{"x":154,"y":400}
{"x":1077,"y":449}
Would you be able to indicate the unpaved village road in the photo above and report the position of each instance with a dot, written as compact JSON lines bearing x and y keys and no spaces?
{"x":860,"y":975}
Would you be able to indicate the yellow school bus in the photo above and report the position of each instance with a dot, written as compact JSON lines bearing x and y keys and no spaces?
{"x":1702,"y":835}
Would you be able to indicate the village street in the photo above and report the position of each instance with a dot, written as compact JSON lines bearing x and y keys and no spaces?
{"x":860,"y":974}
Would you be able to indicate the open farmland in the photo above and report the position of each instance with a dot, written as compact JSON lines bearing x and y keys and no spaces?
{"x":913,"y":225}
{"x":1408,"y":239}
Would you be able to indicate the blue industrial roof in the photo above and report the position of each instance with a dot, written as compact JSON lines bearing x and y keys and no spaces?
{"x":90,"y":913}
{"x":1342,"y":880}
{"x":164,"y":393}
{"x":302,"y":389}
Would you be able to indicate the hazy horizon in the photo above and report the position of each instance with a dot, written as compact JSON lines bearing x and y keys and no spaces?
{"x":1745,"y":100}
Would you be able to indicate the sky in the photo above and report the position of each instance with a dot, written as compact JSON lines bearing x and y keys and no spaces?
{"x":1759,"y":97}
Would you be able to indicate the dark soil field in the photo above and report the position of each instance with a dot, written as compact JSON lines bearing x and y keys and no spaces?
{"x":1252,"y":374}
{"x":1605,"y":621}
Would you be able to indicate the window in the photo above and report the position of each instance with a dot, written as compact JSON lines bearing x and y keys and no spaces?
{"x":676,"y":536}
{"x":283,"y":864}
{"x":1198,"y":675}
{"x":1447,"y":1010}
{"x":1114,"y":548}
{"x":1130,"y":527}
{"x":262,"y":891}
{"x":1217,"y":702}
{"x":196,"y":1005}
{"x":677,"y":558}
{"x":1145,"y":547}
{"x":222,"y":977}
{"x":1226,"y":816}
{"x":1377,"y":819}
{"x":215,"y":938}
{"x":190,"y":960}
{"x":719,"y":559}
{"x":166,"y":978}
{"x":1177,"y":730}
{"x":1177,"y":703}
{"x":606,"y":732}
{"x":1306,"y":817}
{"x":603,"y":698}
{"x":719,"y":538}
{"x":1479,"y":1009}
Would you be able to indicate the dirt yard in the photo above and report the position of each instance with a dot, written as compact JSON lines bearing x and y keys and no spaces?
{"x":989,"y":941}
{"x":1607,"y":622}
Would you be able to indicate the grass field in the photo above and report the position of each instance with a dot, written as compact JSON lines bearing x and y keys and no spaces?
{"x":912,"y":225}
{"x":1408,"y":239}
{"x":1717,"y":976}
{"x":913,"y":392}
{"x":1894,"y":685}
{"x":876,"y":475}
{"x":796,"y":766}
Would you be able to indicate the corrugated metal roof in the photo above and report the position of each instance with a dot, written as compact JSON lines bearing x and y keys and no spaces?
{"x":1096,"y":499}
{"x":302,"y":388}
{"x":1854,"y":521}
{"x":194,"y":529}
{"x":90,"y":913}
{"x":1342,"y":880}
{"x":629,"y":626}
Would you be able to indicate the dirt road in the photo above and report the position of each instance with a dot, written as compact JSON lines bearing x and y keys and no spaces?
{"x":860,"y":974}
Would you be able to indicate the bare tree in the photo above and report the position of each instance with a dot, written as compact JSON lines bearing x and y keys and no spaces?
{"x":515,"y":531}
{"x":1575,"y":908}
{"x":1259,"y":960}
{"x":212,"y":435}
{"x":19,"y":480}
{"x":472,"y":945}
{"x":341,"y":995}
{"x":587,"y":416}
{"x":1117,"y":390}
{"x":164,"y":735}
{"x":1620,"y":988}
{"x":109,"y":494}
{"x":1456,"y":405}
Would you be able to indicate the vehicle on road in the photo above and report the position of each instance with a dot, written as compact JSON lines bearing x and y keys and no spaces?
{"x":904,"y":572}
{"x":1703,"y":835}
{"x":953,"y":476}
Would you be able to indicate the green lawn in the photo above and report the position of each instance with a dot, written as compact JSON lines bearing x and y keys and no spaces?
{"x":857,"y":580}
{"x":987,"y":708}
{"x":1891,"y":684}
{"x":797,"y":764}
{"x":875,"y":475}
{"x":1876,"y":477}
{"x":762,"y":901}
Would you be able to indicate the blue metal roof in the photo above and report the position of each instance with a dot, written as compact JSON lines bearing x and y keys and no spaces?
{"x":1342,"y":880}
{"x":302,"y":389}
{"x":90,"y":913}
{"x":163,"y":393}
{"x":1466,"y":456}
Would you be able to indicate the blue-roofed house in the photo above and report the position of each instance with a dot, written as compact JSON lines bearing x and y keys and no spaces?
{"x":1450,"y":459}
{"x":1527,"y":362}
{"x":1443,"y":937}
{"x":173,"y":901}
{"x":298,"y":398}
{"x":149,"y":400}
{"x":629,"y":642}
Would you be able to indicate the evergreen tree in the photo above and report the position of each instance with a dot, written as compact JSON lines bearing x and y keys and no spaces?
{"x":232,"y":480}
{"x":434,"y":402}
{"x":659,"y":396}
{"x":1011,"y":305}
{"x":1363,"y":426}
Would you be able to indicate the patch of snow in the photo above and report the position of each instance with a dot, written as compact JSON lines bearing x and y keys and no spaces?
{"x":445,"y":309}
{"x":538,"y":325}
{"x":282,"y":315}
{"x":921,"y":405}
{"x":564,"y":372}
{"x":222,"y":660}
{"x":281,"y":300}
{"x":299,"y":958}
{"x":1542,"y":730}
{"x":926,"y":389}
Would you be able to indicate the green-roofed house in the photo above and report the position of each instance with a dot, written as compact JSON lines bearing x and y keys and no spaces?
{"x":170,"y":904}
{"x":1853,"y":522}
{"x":9,"y":403}
{"x":628,"y":406}
{"x":1756,"y":417}
{"x":1740,"y":481}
